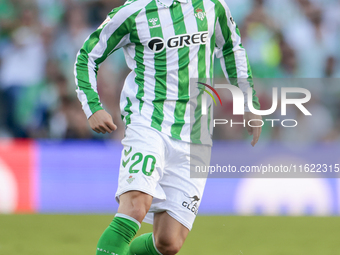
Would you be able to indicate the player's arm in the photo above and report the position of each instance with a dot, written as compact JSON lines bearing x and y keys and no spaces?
{"x":234,"y":62}
{"x":110,"y":36}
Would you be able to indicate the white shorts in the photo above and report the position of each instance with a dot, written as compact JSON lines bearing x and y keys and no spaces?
{"x":159,"y":165}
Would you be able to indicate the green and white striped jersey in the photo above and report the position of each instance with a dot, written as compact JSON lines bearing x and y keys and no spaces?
{"x":166,"y":43}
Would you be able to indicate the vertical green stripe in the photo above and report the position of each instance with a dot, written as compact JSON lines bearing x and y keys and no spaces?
{"x":250,"y":75}
{"x":212,"y":49}
{"x":256,"y":102}
{"x":209,"y":118}
{"x":115,"y":39}
{"x":183,"y":73}
{"x":83,"y":72}
{"x":83,"y":58}
{"x":128,"y":110}
{"x":196,"y":128}
{"x":140,"y":66}
{"x":202,"y":25}
{"x":160,"y":70}
{"x":117,"y":35}
{"x":228,"y":53}
{"x":227,"y":50}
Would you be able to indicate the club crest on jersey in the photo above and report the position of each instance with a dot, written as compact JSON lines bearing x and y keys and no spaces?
{"x":154,"y":22}
{"x":200,"y":14}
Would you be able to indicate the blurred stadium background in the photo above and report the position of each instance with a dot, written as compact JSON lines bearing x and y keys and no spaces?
{"x":52,"y":163}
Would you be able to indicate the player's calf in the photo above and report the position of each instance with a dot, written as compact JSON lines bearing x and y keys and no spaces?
{"x":118,"y":235}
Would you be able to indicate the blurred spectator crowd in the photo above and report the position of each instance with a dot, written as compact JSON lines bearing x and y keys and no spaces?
{"x":39,"y":40}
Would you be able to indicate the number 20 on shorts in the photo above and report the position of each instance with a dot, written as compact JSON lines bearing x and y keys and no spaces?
{"x":148,"y":164}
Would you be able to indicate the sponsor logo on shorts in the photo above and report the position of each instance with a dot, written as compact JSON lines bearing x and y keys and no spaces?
{"x":192,"y":205}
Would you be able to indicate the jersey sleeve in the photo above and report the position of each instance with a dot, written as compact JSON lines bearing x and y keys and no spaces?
{"x":110,"y":36}
{"x":233,"y":57}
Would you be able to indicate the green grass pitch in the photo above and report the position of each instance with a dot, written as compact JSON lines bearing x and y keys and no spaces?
{"x":211,"y":235}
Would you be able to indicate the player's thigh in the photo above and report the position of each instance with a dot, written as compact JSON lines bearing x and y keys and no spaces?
{"x":183,"y":193}
{"x":142,"y":162}
{"x":169,"y":233}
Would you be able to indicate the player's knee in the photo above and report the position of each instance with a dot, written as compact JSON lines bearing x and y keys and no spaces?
{"x":137,"y":209}
{"x":136,"y":204}
{"x":168,"y":246}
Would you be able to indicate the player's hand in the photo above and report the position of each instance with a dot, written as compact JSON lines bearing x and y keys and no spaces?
{"x":254,"y":131}
{"x":102,"y":122}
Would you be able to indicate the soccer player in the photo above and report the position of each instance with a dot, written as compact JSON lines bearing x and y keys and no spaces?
{"x":166,"y":43}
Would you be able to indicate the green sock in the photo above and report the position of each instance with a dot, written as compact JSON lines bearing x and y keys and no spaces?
{"x":143,"y":245}
{"x":116,"y":238}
